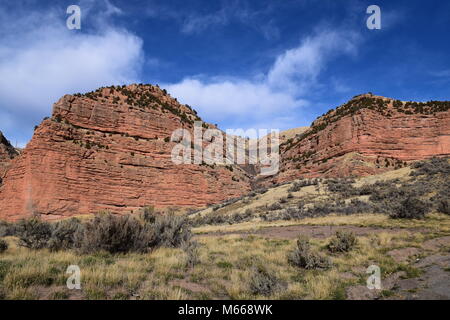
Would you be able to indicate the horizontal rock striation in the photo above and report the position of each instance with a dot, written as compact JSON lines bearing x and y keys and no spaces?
{"x":7,"y":153}
{"x":111,"y":150}
{"x":367,"y":135}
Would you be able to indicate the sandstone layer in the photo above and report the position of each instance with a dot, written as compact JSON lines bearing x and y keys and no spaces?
{"x":7,"y":153}
{"x":368,"y":135}
{"x":111,"y":150}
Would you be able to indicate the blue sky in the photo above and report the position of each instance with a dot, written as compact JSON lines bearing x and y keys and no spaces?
{"x":240,"y":63}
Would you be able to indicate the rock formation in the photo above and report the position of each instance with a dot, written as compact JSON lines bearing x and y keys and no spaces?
{"x":7,"y":153}
{"x":367,"y":135}
{"x":111,"y":150}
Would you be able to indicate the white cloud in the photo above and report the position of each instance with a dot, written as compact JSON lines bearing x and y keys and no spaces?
{"x":41,"y":60}
{"x":441,"y":73}
{"x":192,"y":21}
{"x":275,"y":99}
{"x":230,"y":98}
{"x":297,"y":69}
{"x":197,"y":23}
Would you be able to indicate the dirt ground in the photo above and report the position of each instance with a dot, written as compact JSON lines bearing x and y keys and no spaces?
{"x":433,"y":282}
{"x":319,"y":232}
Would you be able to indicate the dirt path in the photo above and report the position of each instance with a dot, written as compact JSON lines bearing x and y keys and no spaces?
{"x":320,"y":232}
{"x":433,"y":283}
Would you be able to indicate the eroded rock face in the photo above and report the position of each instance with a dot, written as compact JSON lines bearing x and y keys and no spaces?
{"x":110,"y":150}
{"x":7,"y":153}
{"x":367,"y":135}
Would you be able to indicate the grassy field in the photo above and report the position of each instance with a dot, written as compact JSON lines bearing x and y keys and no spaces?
{"x":226,"y":266}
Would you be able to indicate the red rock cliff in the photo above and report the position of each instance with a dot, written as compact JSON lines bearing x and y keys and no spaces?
{"x":7,"y":153}
{"x":110,"y":150}
{"x":367,"y":135}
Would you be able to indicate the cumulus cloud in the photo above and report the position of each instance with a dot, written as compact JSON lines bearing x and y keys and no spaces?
{"x":273,"y":99}
{"x":233,"y":97}
{"x":297,"y":69}
{"x":41,"y":60}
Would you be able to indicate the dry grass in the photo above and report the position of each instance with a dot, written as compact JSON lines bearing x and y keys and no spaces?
{"x":223,"y":270}
{"x":435,"y":222}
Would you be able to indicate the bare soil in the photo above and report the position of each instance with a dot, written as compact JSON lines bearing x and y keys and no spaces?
{"x":319,"y":232}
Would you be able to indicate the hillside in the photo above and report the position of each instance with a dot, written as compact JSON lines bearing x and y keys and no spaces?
{"x":319,"y":197}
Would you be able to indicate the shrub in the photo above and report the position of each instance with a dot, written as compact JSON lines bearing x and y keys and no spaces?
{"x":212,"y":218}
{"x":192,"y":253}
{"x":3,"y":246}
{"x":342,"y":242}
{"x":431,"y":167}
{"x":342,"y":186}
{"x":387,"y":191}
{"x":297,"y":185}
{"x":440,"y":200}
{"x":264,"y":282}
{"x":64,"y":234}
{"x":261,"y":190}
{"x":304,"y":257}
{"x":149,"y":214}
{"x":443,"y":206}
{"x":6,"y":229}
{"x":33,"y":233}
{"x":275,"y":206}
{"x":114,"y":234}
{"x":410,"y":208}
{"x":170,"y":231}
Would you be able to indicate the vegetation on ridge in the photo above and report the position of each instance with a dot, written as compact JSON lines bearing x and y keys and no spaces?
{"x":142,"y":96}
{"x":384,"y":106}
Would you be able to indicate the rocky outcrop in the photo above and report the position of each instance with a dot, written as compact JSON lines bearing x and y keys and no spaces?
{"x":7,"y":153}
{"x":369,"y":134}
{"x":111,"y":150}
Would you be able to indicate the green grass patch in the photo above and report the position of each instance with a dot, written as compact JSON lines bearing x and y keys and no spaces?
{"x":224,"y":265}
